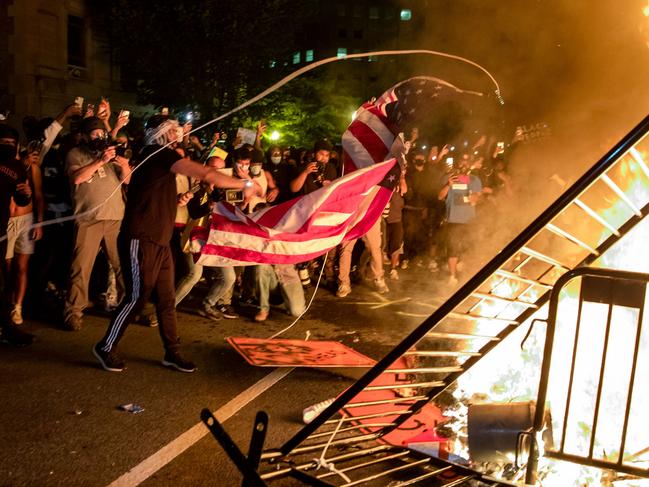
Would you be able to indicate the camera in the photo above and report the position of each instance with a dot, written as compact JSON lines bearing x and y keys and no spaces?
{"x":122,"y":150}
{"x":233,"y":195}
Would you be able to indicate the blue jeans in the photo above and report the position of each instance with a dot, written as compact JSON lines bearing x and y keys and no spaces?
{"x":221,"y":290}
{"x":285,"y":277}
{"x":188,"y":282}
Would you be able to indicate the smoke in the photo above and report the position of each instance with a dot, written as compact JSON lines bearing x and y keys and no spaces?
{"x":579,"y":68}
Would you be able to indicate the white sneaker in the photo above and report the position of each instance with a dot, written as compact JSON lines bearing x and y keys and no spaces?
{"x":343,"y":290}
{"x":310,"y":413}
{"x":17,"y":314}
{"x":110,"y":303}
{"x":381,"y":286}
{"x":394,"y":274}
{"x":452,"y":281}
{"x":404,"y":264}
{"x":432,"y":266}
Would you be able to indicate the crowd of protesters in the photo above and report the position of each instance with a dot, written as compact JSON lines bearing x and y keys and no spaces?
{"x":139,"y":221}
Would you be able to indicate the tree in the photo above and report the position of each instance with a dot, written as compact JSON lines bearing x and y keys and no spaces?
{"x":304,"y":110}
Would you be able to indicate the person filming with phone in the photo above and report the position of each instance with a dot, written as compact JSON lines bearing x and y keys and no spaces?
{"x":95,"y":170}
{"x":461,"y":193}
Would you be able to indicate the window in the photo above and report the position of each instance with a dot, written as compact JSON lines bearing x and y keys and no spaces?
{"x":389,"y":13}
{"x":76,"y":41}
{"x":340,"y":9}
{"x":272,"y":63}
{"x":406,"y":14}
{"x":308,"y":56}
{"x":342,"y":33}
{"x":358,"y":34}
{"x":342,"y":52}
{"x":296,"y":57}
{"x":357,"y":11}
{"x":374,"y":13}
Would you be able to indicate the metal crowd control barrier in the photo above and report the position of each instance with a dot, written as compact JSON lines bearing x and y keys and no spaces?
{"x":585,"y":221}
{"x":612,"y":288}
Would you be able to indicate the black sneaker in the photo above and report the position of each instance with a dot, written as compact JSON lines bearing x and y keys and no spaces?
{"x":152,"y":320}
{"x":174,"y":360}
{"x":209,"y":312}
{"x":12,"y":335}
{"x":108,"y":360}
{"x":73,"y":323}
{"x":227,"y":311}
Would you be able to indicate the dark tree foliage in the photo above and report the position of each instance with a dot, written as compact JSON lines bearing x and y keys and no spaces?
{"x":306,"y":109}
{"x":206,"y":55}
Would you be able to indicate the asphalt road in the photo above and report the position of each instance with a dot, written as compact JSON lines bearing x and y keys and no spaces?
{"x":60,"y":419}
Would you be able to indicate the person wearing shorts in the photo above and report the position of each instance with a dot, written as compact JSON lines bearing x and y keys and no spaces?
{"x":19,"y":240}
{"x":21,"y":237}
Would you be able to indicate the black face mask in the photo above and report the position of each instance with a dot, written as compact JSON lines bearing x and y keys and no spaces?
{"x":98,"y":145}
{"x":7,"y":152}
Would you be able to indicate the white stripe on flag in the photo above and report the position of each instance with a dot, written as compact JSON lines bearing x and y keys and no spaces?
{"x":298,"y":214}
{"x":357,"y":151}
{"x":277,"y":247}
{"x":330,"y":219}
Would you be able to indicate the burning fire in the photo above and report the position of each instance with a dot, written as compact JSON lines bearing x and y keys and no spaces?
{"x":511,"y":372}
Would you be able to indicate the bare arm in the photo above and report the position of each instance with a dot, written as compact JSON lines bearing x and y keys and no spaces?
{"x":125,"y":169}
{"x":444,"y":191}
{"x":121,"y":121}
{"x":273,"y":190}
{"x":205,"y":173}
{"x":84,"y":173}
{"x":298,"y":182}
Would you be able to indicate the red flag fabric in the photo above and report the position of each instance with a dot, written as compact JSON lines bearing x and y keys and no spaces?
{"x":299,"y":229}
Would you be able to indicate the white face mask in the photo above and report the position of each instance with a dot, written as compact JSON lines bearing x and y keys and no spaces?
{"x":255,"y":170}
{"x":276,"y":159}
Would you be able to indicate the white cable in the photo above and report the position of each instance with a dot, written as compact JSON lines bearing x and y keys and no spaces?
{"x":315,"y":290}
{"x":323,"y":463}
{"x":267,"y":92}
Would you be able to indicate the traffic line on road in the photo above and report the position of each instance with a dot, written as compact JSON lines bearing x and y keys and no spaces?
{"x":171,"y":450}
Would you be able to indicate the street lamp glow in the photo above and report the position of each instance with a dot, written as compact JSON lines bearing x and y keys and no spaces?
{"x":274,"y":135}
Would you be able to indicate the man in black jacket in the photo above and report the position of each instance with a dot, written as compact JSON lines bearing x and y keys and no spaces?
{"x":144,"y":241}
{"x":13,"y":184}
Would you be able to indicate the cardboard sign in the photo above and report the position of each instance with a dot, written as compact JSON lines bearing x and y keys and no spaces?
{"x":218,"y":152}
{"x":264,"y":352}
{"x":245,"y":136}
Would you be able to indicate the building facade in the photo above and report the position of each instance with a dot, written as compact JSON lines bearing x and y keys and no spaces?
{"x":343,"y":27}
{"x":50,"y":54}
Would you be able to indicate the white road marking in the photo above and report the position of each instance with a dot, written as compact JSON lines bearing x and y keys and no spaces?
{"x":414,"y":315}
{"x":167,"y":453}
{"x":378,"y":304}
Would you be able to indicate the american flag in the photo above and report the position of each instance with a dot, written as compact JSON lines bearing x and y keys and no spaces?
{"x":310,"y":225}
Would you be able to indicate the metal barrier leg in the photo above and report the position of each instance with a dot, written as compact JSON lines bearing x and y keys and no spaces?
{"x":250,"y":475}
